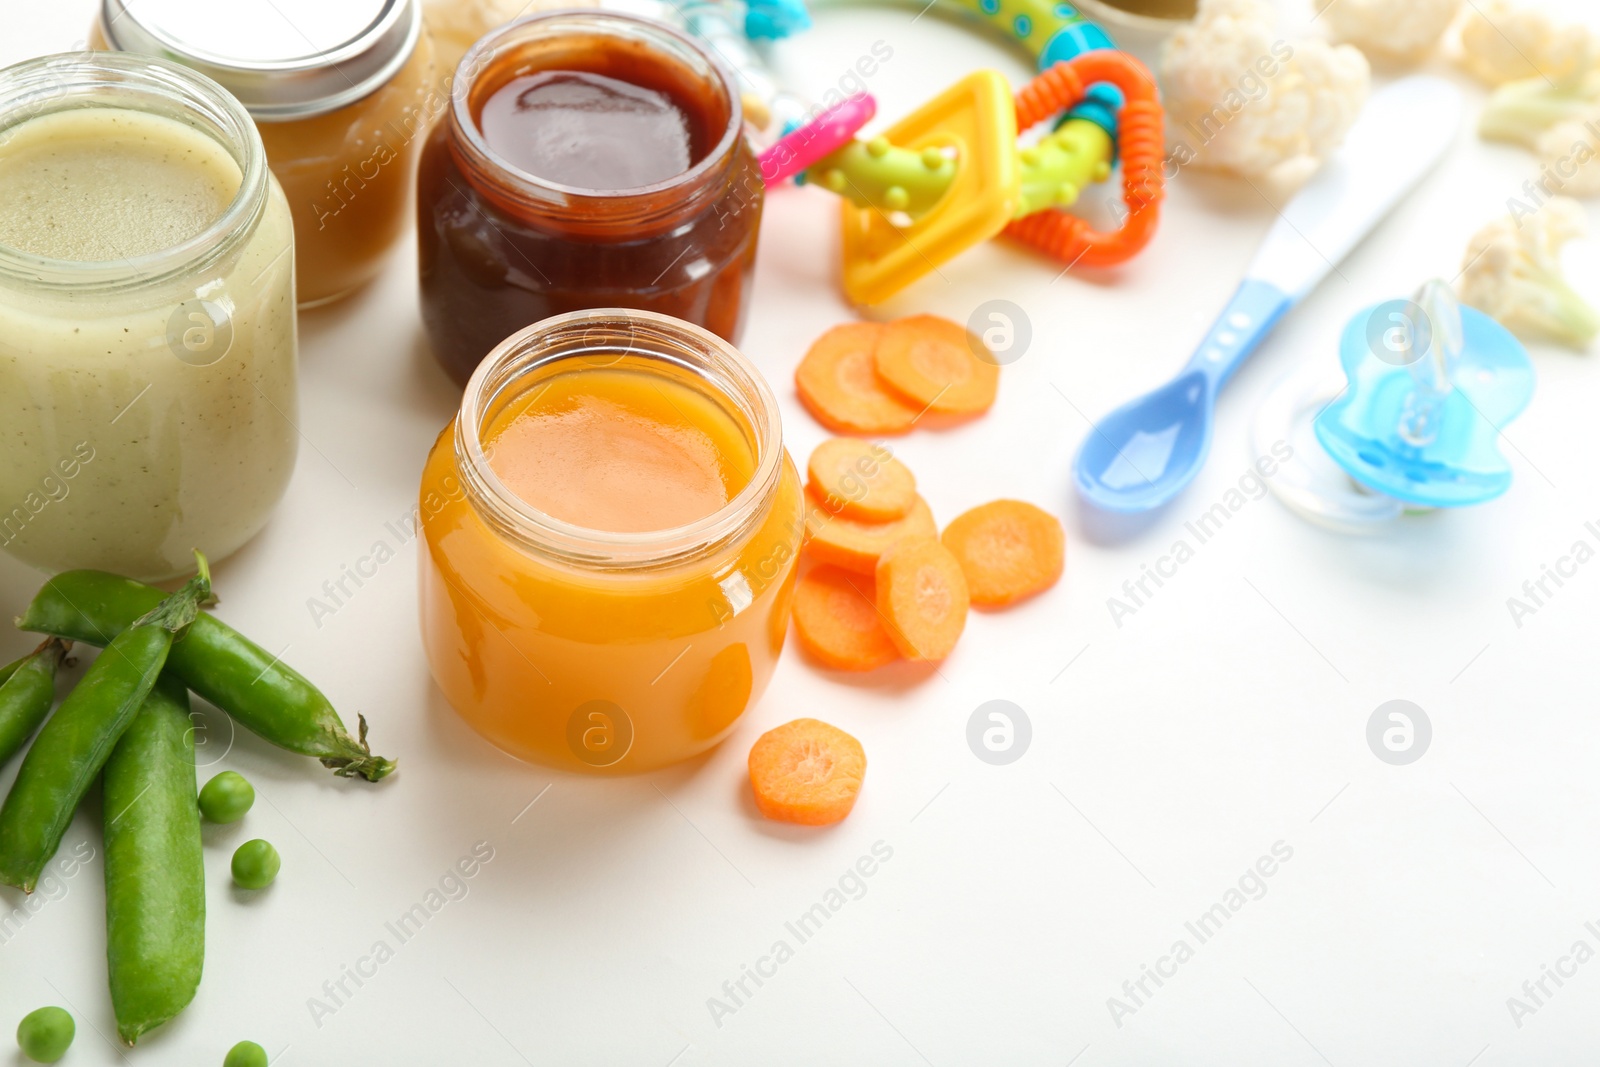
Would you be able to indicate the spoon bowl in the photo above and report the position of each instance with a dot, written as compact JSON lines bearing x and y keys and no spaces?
{"x":1142,"y":454}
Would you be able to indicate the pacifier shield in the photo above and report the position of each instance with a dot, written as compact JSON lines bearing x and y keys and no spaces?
{"x":1490,"y":384}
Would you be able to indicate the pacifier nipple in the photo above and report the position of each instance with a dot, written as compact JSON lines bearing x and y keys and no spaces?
{"x":1431,"y":348}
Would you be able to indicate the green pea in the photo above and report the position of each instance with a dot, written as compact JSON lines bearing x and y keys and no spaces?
{"x":227,"y":797}
{"x":45,"y":1034}
{"x":246,"y":1054}
{"x":255,"y":864}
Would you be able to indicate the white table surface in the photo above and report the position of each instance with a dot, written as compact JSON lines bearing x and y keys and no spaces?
{"x":1168,"y":755}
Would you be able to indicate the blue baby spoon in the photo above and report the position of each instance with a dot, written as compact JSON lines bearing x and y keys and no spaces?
{"x":1142,"y":454}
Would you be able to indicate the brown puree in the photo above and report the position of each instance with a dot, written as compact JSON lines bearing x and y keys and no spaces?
{"x":347,"y":175}
{"x":592,"y":161}
{"x":573,"y":127}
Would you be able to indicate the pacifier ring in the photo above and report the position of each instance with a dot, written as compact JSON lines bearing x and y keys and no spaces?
{"x":1310,"y":483}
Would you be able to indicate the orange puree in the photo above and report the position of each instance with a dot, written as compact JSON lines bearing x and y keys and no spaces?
{"x":547,"y":627}
{"x":621,"y":450}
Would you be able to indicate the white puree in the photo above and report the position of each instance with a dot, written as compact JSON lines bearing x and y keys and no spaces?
{"x":117,"y":453}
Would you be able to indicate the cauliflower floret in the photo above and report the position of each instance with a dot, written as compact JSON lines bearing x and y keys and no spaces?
{"x":1501,"y":42}
{"x":1556,"y":72}
{"x":1241,"y":99}
{"x":1513,"y":273}
{"x":1522,"y":111}
{"x":1570,"y":154}
{"x":1396,"y":29}
{"x":1233,"y":33}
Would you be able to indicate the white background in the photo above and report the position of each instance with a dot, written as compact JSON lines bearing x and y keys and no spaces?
{"x":1168,"y":754}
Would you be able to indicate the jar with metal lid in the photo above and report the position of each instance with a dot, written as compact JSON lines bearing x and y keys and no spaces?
{"x":147,"y":319}
{"x":343,"y":94}
{"x":588,"y":159}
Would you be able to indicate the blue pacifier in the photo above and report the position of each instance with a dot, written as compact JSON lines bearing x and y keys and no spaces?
{"x":1429,"y":386}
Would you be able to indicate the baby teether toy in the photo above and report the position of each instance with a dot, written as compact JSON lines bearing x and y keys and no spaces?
{"x":1047,"y":30}
{"x":830,"y":131}
{"x":1428,"y":387}
{"x":953,"y":174}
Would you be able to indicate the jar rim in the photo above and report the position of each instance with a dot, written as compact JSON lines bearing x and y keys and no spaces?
{"x":729,"y":372}
{"x":291,"y":88}
{"x":75,"y":80}
{"x":551,"y":23}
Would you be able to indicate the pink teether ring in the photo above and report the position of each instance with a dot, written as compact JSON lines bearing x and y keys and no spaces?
{"x":798,"y":150}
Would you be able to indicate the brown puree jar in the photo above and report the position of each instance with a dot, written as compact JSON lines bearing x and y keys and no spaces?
{"x":342,"y":91}
{"x":588,"y":160}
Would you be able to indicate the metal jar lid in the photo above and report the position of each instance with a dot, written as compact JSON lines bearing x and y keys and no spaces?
{"x":283,"y":59}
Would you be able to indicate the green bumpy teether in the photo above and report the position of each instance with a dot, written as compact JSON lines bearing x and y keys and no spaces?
{"x":878,"y":174}
{"x":1060,"y":166}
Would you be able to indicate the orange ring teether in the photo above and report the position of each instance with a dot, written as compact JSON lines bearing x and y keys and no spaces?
{"x":1140,"y":143}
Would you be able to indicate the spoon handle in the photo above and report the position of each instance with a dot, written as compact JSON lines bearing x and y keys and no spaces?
{"x":1402,"y":133}
{"x":1252,"y":313}
{"x":1404,"y":130}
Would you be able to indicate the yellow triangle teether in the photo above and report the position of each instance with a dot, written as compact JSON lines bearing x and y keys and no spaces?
{"x":975,"y":117}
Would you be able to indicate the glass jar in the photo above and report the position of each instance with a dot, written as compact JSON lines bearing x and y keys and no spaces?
{"x":593,"y":650}
{"x":148,"y":401}
{"x":343,"y":95}
{"x":500,"y":248}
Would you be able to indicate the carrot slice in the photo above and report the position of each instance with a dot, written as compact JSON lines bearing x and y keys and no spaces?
{"x":933,"y":363}
{"x":923,"y":594}
{"x":836,"y":618}
{"x":806,"y":772}
{"x":1008,"y":549}
{"x":839,"y":385}
{"x":856,"y":545}
{"x":861,"y":480}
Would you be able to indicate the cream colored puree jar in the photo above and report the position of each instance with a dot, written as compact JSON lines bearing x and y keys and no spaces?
{"x":343,"y":92}
{"x":147,"y":320}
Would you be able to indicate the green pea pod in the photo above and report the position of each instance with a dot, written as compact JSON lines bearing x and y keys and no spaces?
{"x":26,"y":696}
{"x":74,"y":745}
{"x":11,"y":668}
{"x":155,"y":877}
{"x":262,"y":693}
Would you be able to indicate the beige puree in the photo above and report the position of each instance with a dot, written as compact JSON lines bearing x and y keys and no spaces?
{"x":136,"y":429}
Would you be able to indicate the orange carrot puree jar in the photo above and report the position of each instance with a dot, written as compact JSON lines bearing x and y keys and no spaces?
{"x":609,"y":529}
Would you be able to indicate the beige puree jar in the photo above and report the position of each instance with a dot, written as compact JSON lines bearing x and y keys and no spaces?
{"x":147,"y":320}
{"x":343,"y":92}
